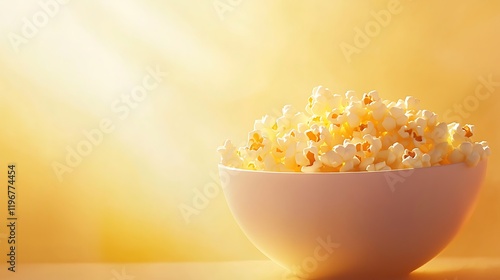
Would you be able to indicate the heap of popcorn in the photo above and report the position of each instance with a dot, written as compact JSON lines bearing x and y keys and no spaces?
{"x":341,"y":133}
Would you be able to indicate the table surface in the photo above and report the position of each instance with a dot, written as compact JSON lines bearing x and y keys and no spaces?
{"x":437,"y":269}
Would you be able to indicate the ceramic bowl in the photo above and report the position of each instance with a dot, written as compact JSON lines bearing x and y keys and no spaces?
{"x":353,"y":224}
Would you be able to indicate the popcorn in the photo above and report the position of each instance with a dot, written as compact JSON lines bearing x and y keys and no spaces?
{"x":326,"y":137}
{"x":389,"y":123}
{"x":375,"y":143}
{"x":322,"y":100}
{"x":336,"y":117}
{"x":378,"y":167}
{"x":486,"y":150}
{"x":456,"y":156}
{"x":331,"y":158}
{"x":430,"y":117}
{"x":347,"y":151}
{"x":364,"y":129}
{"x":229,"y":154}
{"x":439,"y":153}
{"x":365,"y":162}
{"x":349,"y":165}
{"x":345,"y":133}
{"x":388,"y":139}
{"x":416,"y":158}
{"x":379,"y":110}
{"x":398,"y":113}
{"x":412,"y":103}
{"x":404,"y":131}
{"x":395,"y":154}
{"x":439,"y":133}
{"x":290,"y":119}
{"x":353,"y":119}
{"x":460,"y":134}
{"x":266,"y":126}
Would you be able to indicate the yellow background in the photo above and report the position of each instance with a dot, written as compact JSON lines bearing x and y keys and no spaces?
{"x":225,"y":68}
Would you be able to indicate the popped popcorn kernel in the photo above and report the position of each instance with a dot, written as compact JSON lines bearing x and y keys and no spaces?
{"x":312,"y":136}
{"x":255,"y":140}
{"x":412,"y":103}
{"x":467,"y":130}
{"x":350,"y":132}
{"x":378,"y":167}
{"x":370,"y":97}
{"x":229,"y":154}
{"x":365,"y":163}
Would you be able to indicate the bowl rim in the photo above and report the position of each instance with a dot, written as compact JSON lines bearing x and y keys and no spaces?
{"x":222,"y":166}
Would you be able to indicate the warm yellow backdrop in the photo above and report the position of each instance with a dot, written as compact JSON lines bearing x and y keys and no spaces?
{"x":70,"y":69}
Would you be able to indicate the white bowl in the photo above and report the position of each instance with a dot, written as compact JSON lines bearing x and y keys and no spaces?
{"x":355,"y":224}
